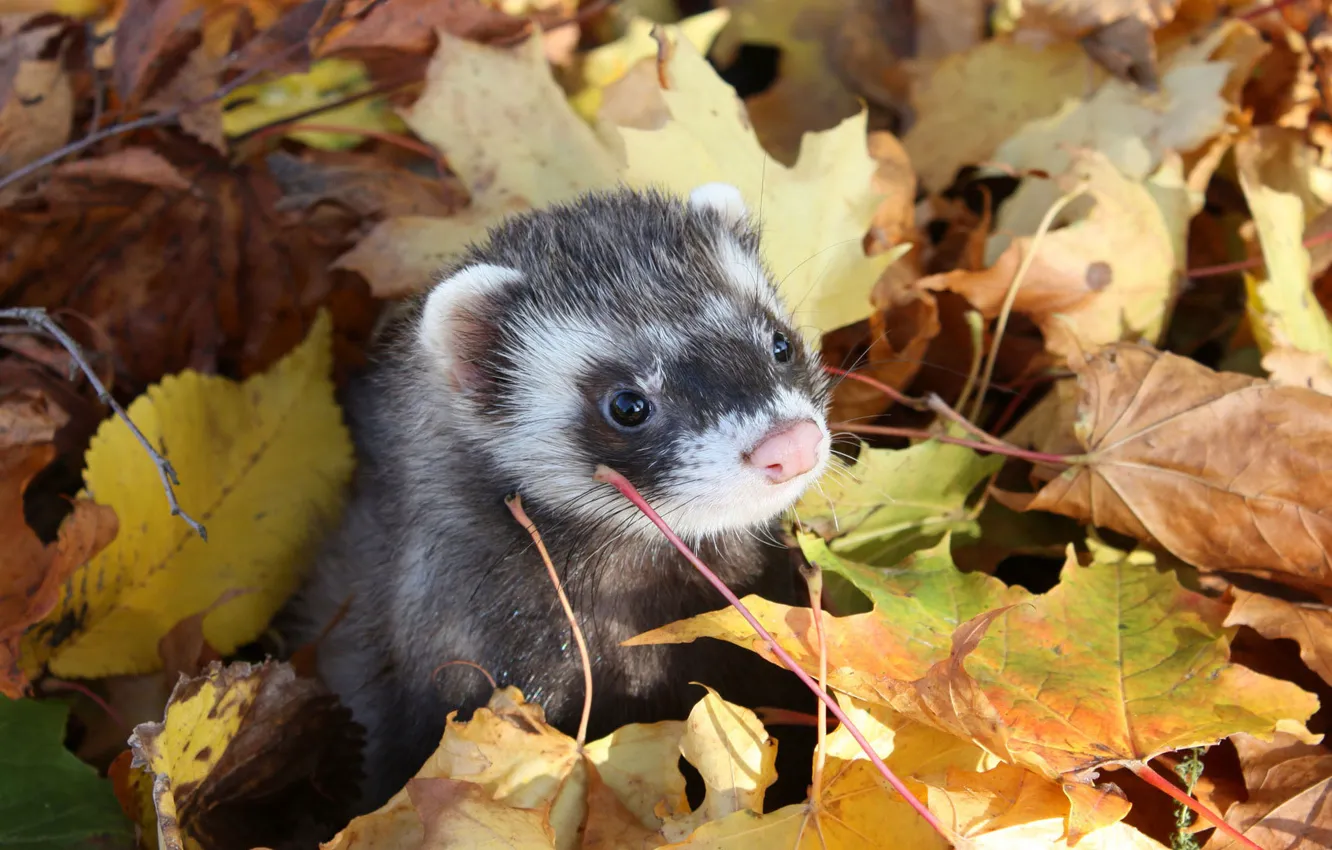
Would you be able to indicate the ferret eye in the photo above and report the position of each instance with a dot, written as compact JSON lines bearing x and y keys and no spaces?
{"x":781,"y":348}
{"x":629,"y":409}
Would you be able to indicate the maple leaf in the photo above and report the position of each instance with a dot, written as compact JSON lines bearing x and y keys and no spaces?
{"x":1117,"y":663}
{"x":1289,"y":803}
{"x":32,"y":573}
{"x":48,"y":798}
{"x":815,"y":215}
{"x":239,"y":736}
{"x":260,"y":463}
{"x":892,"y":503}
{"x":916,"y":606}
{"x":1170,"y":457}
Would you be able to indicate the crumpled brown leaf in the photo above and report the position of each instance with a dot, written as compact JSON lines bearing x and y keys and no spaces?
{"x":1226,"y":471}
{"x":1308,"y":624}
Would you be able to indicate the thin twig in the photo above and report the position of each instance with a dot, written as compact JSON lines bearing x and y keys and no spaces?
{"x":157,"y":119}
{"x":1156,"y":780}
{"x":619,"y":482}
{"x":814,"y":579}
{"x":939,"y":406}
{"x":918,"y":434}
{"x":515,"y":504}
{"x":38,"y":318}
{"x":1028,"y":257}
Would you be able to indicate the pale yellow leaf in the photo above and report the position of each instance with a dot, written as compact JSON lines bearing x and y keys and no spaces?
{"x":261,"y":464}
{"x":969,"y":103}
{"x":1283,"y":311}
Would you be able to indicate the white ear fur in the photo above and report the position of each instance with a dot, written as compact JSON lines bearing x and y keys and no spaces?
{"x":722,"y":197}
{"x":440,"y":319}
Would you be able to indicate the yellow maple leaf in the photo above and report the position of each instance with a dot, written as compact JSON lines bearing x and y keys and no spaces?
{"x":500,"y":118}
{"x":261,"y":464}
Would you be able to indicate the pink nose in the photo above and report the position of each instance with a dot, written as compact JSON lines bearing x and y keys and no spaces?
{"x":788,"y":453}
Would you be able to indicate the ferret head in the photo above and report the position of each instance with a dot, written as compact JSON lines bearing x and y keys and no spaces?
{"x":639,"y":331}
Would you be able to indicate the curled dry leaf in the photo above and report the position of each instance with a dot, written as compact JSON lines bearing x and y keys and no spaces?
{"x":1290,"y":795}
{"x":240,"y":739}
{"x":261,"y":464}
{"x":506,"y":773}
{"x":1108,"y":275}
{"x":1308,"y":624}
{"x":1226,"y":471}
{"x":32,"y":574}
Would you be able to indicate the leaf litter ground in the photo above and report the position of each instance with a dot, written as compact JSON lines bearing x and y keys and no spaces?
{"x":1113,"y":273}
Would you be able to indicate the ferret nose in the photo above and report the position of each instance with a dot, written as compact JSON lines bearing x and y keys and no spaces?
{"x":789,"y":452}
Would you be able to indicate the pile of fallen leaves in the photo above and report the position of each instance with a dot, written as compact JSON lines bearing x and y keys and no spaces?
{"x":1070,"y":258}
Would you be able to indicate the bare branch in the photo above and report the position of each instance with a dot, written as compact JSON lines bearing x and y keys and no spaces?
{"x":39,"y":320}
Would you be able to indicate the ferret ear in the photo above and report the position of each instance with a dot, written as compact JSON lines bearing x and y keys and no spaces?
{"x":722,"y":197}
{"x":454,"y":325}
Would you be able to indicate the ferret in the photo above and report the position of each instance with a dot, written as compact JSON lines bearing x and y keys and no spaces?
{"x":635,"y":329}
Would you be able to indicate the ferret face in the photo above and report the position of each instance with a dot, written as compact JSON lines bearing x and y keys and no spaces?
{"x":640,"y":332}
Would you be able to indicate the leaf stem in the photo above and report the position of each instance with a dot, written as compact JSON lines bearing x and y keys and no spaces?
{"x":515,"y":505}
{"x":894,"y":394}
{"x":1145,"y":772}
{"x":610,"y":476}
{"x":916,"y":433}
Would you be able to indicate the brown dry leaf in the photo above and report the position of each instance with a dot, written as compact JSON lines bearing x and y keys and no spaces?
{"x":1307,"y":623}
{"x":111,"y":246}
{"x":1291,"y":367}
{"x":31,"y":572}
{"x":1226,"y":471}
{"x":1108,"y":275}
{"x":36,"y":118}
{"x":134,"y":165}
{"x":411,"y":26}
{"x":240,"y":740}
{"x":816,"y":40}
{"x":1290,"y":795}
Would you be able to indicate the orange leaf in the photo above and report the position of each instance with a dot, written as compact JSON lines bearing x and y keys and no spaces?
{"x":31,"y":572}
